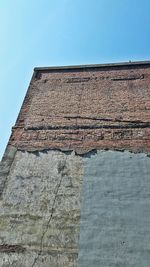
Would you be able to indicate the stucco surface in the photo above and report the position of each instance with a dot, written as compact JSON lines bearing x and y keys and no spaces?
{"x":43,"y":210}
{"x":115,"y":211}
{"x":40,"y":210}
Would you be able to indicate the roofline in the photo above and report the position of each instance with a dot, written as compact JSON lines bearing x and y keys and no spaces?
{"x":106,"y":65}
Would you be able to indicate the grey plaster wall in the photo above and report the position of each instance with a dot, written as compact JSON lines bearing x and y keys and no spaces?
{"x":42,"y":201}
{"x":40,"y":210}
{"x":115,"y":211}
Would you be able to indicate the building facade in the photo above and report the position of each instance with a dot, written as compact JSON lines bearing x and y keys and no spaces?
{"x":75,"y":176}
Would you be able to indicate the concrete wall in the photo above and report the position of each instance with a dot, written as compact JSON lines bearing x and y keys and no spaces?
{"x":60,"y":209}
{"x":40,"y":210}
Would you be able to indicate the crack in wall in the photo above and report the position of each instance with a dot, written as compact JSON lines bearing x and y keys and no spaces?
{"x":84,"y":127}
{"x":95,"y":118}
{"x":60,"y":170}
{"x":104,"y":119}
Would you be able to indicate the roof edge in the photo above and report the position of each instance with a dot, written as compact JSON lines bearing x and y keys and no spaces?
{"x":105,"y":65}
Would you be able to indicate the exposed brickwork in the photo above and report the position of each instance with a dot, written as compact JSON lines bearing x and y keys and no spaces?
{"x":86,"y":108}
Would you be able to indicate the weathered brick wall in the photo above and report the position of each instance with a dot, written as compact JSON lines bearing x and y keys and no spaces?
{"x":84,"y":109}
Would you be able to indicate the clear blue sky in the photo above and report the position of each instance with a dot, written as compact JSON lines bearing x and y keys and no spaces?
{"x":64,"y":32}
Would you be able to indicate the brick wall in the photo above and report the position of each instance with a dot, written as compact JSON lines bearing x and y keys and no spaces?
{"x":86,"y":108}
